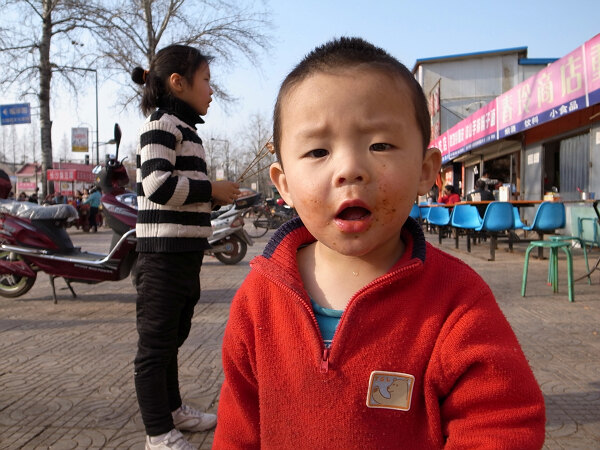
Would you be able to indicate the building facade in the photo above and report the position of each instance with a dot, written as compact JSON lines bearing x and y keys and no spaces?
{"x":459,"y":85}
{"x":539,"y":137}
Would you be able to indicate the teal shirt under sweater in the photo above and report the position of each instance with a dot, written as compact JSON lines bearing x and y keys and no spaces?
{"x":328,"y":320}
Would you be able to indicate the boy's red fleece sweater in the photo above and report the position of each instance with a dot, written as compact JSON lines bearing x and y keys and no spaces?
{"x":422,"y":358}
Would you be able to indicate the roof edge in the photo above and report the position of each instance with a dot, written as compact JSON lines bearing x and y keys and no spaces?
{"x":502,"y":51}
{"x":536,"y":61}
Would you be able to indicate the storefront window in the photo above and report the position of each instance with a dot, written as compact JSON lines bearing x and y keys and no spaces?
{"x":566,"y":166}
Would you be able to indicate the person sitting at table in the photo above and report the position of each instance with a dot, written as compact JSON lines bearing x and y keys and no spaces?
{"x":480,"y":194}
{"x":450,"y":195}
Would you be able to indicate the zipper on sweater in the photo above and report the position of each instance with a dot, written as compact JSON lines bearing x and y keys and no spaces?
{"x":325,"y":361}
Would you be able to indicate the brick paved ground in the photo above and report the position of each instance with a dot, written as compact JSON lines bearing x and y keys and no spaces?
{"x":66,"y":369}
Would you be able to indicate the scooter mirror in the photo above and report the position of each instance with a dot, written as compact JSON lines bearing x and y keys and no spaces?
{"x":118,"y":135}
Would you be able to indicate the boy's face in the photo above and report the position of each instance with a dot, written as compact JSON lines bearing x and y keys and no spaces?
{"x":352,"y":158}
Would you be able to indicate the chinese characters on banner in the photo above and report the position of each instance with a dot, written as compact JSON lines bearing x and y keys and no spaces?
{"x":70,"y":175}
{"x":477,"y":129}
{"x":565,"y":86}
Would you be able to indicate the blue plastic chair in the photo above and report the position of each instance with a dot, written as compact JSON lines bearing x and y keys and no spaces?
{"x":424,"y":212}
{"x":499,"y":216}
{"x":465,"y":217}
{"x":518,"y":223}
{"x":548,"y":217}
{"x":440,"y":217}
{"x":415,"y":212}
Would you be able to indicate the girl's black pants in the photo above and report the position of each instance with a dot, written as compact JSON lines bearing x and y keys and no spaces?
{"x":168,"y":288}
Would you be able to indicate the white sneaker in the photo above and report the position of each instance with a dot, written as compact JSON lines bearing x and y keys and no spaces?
{"x":173,"y":440}
{"x":190,"y":419}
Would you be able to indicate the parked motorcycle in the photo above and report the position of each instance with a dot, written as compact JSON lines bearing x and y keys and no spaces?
{"x":229,"y":240}
{"x":33,"y":238}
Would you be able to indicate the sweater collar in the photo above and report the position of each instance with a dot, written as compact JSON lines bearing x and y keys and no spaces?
{"x":293,"y":234}
{"x":182,"y":110}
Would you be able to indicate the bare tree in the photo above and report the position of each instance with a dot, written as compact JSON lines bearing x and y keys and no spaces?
{"x":130,"y":32}
{"x":254,"y":156}
{"x":36,"y":40}
{"x":43,"y":38}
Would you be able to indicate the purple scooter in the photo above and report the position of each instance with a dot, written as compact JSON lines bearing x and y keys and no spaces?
{"x":34,"y":239}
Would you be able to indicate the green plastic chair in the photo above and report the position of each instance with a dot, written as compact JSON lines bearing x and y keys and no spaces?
{"x":553,"y":247}
{"x":558,"y":237}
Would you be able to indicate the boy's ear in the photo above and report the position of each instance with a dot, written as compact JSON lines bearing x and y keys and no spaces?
{"x":279,"y":180}
{"x":432,"y":161}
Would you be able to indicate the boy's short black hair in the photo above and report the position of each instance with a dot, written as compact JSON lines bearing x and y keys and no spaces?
{"x":351,"y":52}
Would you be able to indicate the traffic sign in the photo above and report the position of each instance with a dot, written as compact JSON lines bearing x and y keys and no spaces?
{"x":15,"y":114}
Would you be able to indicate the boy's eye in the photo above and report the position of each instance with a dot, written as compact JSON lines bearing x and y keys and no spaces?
{"x":380,"y":147}
{"x":317,"y":153}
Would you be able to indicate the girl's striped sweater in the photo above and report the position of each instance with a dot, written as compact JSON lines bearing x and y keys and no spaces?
{"x":174,"y":193}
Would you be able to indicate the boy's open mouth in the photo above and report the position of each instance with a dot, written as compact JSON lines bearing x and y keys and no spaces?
{"x":353,"y":213}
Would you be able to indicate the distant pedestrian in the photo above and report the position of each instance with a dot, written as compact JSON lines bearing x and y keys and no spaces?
{"x":59,"y":198}
{"x":480,"y":194}
{"x":94,"y":201}
{"x":450,"y":196}
{"x":33,"y":198}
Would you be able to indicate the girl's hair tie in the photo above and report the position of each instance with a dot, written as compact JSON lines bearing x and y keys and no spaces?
{"x":144,"y":75}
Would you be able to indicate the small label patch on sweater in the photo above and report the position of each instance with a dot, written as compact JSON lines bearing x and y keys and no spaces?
{"x":390,"y":390}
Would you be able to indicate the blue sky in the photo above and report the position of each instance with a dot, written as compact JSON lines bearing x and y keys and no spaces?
{"x":407,"y":30}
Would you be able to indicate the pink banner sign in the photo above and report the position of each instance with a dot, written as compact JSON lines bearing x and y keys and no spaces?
{"x":557,"y":90}
{"x":476,"y":130}
{"x":592,"y":64}
{"x":70,"y":175}
{"x":25,"y":186}
{"x":565,"y":86}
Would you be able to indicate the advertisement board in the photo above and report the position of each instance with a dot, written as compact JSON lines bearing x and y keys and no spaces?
{"x":79,"y":140}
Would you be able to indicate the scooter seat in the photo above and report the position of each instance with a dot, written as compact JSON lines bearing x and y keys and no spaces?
{"x":33,"y":211}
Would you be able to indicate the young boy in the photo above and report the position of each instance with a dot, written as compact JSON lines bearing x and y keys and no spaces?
{"x":420,"y":355}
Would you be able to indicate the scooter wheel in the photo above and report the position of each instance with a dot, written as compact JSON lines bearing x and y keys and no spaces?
{"x":236,"y":254}
{"x":12,"y":286}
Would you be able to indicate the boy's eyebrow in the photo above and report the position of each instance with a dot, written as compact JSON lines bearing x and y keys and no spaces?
{"x":385,"y":123}
{"x":315,"y":130}
{"x":312,"y":131}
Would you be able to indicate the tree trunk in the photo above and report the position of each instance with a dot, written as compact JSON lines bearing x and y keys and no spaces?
{"x":44,"y":97}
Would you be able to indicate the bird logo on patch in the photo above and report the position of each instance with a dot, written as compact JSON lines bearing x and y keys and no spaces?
{"x":390,"y":390}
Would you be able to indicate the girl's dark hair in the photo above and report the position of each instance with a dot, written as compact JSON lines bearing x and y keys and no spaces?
{"x":181,"y":59}
{"x":348,"y":52}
